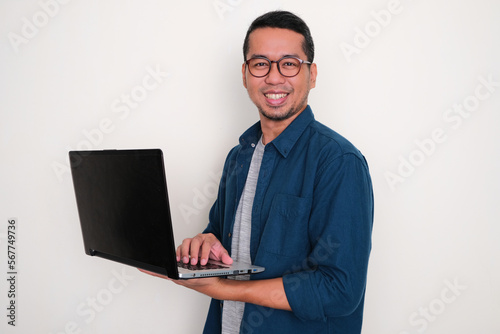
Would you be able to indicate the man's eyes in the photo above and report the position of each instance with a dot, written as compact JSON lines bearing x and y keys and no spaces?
{"x":261,"y":64}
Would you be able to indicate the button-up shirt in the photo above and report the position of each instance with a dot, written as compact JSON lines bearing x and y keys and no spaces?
{"x":311,"y":223}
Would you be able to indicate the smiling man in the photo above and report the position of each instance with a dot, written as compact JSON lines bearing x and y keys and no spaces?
{"x":280,"y":95}
{"x":295,"y":197}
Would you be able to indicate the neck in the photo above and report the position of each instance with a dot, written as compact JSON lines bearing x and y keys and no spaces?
{"x":273,"y":128}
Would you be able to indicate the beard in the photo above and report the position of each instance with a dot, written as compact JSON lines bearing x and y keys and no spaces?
{"x":275,"y":115}
{"x":278,"y":116}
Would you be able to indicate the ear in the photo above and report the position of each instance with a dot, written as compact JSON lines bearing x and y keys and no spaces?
{"x":313,"y":73}
{"x":244,"y":75}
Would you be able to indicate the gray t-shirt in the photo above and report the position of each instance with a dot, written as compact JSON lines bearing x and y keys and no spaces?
{"x":232,"y":312}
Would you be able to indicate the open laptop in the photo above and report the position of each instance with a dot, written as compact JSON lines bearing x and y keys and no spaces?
{"x":124,"y":212}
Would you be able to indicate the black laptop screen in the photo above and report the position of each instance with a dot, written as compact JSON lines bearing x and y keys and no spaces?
{"x":123,"y":207}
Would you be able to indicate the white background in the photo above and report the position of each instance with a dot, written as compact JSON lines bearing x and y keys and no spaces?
{"x":64,"y":68}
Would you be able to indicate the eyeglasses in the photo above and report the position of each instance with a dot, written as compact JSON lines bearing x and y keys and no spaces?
{"x":287,"y":66}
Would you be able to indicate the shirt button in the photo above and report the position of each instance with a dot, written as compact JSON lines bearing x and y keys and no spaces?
{"x":229,"y":234}
{"x":253,"y":145}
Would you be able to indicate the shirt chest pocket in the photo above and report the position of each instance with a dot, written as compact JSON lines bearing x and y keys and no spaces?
{"x":286,"y":230}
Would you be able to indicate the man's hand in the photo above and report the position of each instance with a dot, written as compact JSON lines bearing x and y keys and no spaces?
{"x":269,"y":293}
{"x":197,"y":284}
{"x":205,"y":247}
{"x":154,"y":274}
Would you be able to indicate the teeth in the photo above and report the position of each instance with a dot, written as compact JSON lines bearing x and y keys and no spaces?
{"x":276,"y":96}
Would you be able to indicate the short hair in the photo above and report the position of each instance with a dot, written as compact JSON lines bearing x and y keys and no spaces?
{"x":283,"y":20}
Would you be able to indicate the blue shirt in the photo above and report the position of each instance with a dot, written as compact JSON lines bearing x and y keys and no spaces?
{"x":311,"y":224}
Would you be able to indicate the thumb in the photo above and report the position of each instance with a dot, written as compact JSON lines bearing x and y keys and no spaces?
{"x":225,"y":258}
{"x":221,"y":253}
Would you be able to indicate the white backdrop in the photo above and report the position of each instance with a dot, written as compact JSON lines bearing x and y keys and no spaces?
{"x":414,"y":84}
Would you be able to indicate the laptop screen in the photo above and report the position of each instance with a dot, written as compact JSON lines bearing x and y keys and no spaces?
{"x":123,"y":207}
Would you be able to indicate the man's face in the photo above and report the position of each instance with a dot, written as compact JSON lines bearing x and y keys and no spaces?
{"x":278,"y":97}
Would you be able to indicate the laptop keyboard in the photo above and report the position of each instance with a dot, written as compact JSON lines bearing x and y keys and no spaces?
{"x":198,"y":266}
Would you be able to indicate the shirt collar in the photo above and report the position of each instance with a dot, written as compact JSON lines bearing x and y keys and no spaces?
{"x":287,"y":139}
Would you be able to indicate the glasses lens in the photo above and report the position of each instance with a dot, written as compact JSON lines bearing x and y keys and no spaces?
{"x":289,"y":67}
{"x":259,"y":67}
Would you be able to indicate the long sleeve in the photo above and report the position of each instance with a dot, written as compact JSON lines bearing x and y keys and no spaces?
{"x":333,"y":283}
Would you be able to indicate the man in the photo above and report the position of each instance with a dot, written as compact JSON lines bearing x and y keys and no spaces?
{"x":294,"y":197}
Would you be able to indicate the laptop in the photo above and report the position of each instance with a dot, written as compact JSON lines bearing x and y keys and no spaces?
{"x":124,"y":212}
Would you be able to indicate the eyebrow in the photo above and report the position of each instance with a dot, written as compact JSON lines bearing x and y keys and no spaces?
{"x":264,"y":56}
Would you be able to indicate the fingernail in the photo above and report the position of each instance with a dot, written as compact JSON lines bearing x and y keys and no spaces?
{"x":185,"y":259}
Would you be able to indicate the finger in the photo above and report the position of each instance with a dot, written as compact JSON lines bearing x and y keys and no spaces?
{"x":183,"y":250}
{"x":226,"y":259}
{"x":154,"y":274}
{"x":145,"y":271}
{"x":209,"y":248}
{"x":178,"y":253}
{"x":194,"y":249}
{"x":206,"y":250}
{"x":220,"y":253}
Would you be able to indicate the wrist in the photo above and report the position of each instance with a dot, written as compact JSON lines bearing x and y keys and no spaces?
{"x":225,"y":289}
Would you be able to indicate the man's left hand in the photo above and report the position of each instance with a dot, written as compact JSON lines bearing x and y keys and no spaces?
{"x":202,"y":285}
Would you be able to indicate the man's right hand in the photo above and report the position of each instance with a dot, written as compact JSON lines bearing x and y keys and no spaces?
{"x":203,"y":246}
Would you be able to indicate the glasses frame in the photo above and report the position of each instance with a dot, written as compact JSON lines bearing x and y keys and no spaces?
{"x":277,"y":65}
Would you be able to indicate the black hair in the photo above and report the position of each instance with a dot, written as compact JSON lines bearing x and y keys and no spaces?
{"x":283,"y":20}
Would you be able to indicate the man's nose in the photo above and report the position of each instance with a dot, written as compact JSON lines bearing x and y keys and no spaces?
{"x":274,"y":76}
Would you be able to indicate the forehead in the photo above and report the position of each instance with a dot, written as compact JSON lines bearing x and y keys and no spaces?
{"x":275,"y":42}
